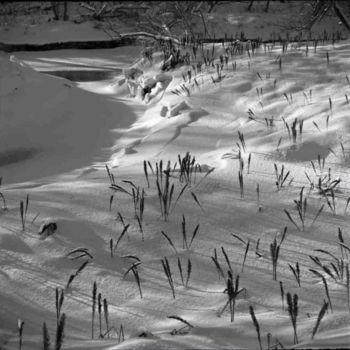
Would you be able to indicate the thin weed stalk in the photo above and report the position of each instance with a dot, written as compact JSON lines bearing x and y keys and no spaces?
{"x":20,"y":327}
{"x":23,"y":212}
{"x":319,"y":319}
{"x":296,"y":272}
{"x":60,"y":332}
{"x":59,"y":303}
{"x":94,"y":293}
{"x":46,"y":338}
{"x":135,"y":271}
{"x":256,"y":325}
{"x":282,"y":294}
{"x":293,"y":313}
{"x":168,"y":274}
{"x":274,"y":251}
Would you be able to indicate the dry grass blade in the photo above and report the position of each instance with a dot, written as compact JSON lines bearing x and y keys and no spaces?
{"x":291,"y":220}
{"x":189,"y":270}
{"x":135,"y":271}
{"x":140,"y":227}
{"x":118,"y":188}
{"x":346,"y":205}
{"x":136,"y":264}
{"x":226,"y":258}
{"x":194,"y":235}
{"x":296,"y":272}
{"x":325,"y":286}
{"x":72,"y":277}
{"x":181,"y":320}
{"x":293,"y":313}
{"x":319,"y":318}
{"x":78,"y":253}
{"x":128,"y":256}
{"x":196,"y":200}
{"x":348,"y":285}
{"x":241,"y":183}
{"x":23,"y":212}
{"x":178,"y":197}
{"x":282,"y":294}
{"x":146,"y":172}
{"x":131,"y":184}
{"x":239,"y":238}
{"x":245,"y":254}
{"x":256,"y":324}
{"x":121,"y":236}
{"x":168,"y":274}
{"x":184,"y":234}
{"x":180,"y":270}
{"x":318,"y":214}
{"x":169,"y":240}
{"x":217,"y":265}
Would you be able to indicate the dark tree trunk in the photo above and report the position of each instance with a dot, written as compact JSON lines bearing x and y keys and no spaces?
{"x":250,"y":5}
{"x":65,"y":11}
{"x":341,"y":16}
{"x":267,"y":6}
{"x":56,"y":10}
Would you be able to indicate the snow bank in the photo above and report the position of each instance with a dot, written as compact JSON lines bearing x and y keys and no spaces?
{"x":50,"y":126}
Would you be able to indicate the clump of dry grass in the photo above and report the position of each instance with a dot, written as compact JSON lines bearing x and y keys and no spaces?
{"x":296,"y":125}
{"x":188,"y":168}
{"x":166,"y":190}
{"x":336,"y":264}
{"x":281,"y":176}
{"x":301,"y":205}
{"x":232,"y":289}
{"x":185,"y":244}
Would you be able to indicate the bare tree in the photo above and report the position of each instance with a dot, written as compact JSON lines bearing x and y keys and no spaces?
{"x":316,"y":10}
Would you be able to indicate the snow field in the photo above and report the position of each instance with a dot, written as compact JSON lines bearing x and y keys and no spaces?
{"x":206,"y":123}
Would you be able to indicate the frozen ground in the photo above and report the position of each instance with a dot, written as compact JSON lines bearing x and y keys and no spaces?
{"x":57,"y":136}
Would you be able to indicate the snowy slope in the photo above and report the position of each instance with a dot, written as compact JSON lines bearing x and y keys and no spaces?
{"x":44,"y":117}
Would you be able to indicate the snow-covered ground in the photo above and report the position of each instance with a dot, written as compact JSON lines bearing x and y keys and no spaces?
{"x":57,"y":137}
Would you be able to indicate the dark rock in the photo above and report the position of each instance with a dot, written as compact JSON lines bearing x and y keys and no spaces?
{"x":47,"y":229}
